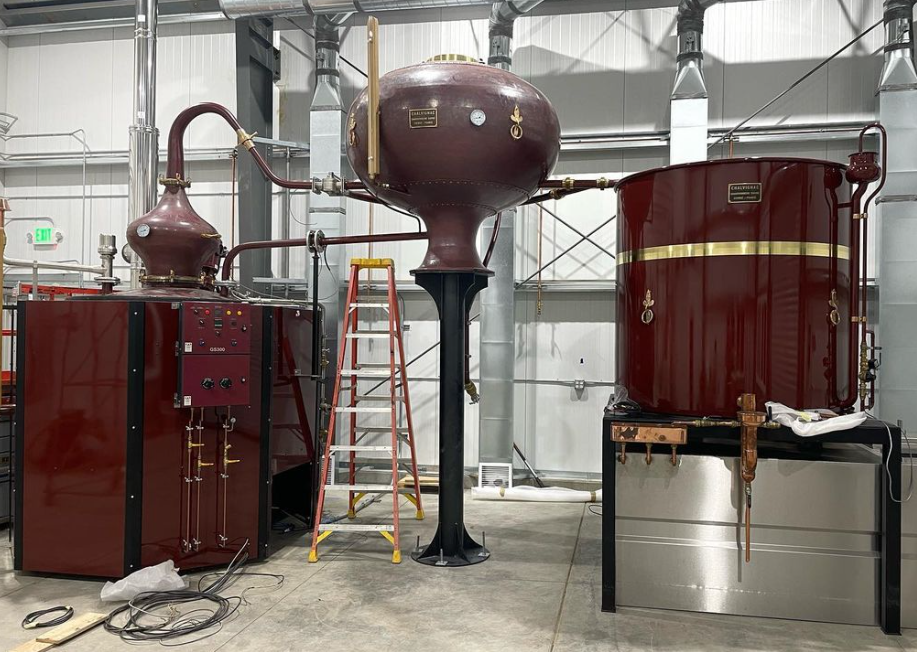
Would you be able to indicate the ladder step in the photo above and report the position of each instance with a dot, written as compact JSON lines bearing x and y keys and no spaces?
{"x":369,"y":335}
{"x":362,"y":304}
{"x":362,"y":488}
{"x":400,"y":430}
{"x":355,"y":527}
{"x":378,"y":410}
{"x":377,"y":397}
{"x":375,"y":373}
{"x":362,"y":449}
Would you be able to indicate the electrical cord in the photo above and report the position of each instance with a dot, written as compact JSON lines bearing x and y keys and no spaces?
{"x":155,"y":616}
{"x":891,"y":444}
{"x":594,"y":509}
{"x":31,"y":621}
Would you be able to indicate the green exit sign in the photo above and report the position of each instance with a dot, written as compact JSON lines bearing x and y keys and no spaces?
{"x":44,"y":235}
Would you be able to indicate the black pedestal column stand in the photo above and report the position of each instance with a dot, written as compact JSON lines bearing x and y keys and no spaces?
{"x":453,"y":293}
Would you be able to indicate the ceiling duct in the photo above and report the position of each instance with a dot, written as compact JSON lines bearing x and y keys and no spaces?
{"x":689,"y":76}
{"x":898,"y":71}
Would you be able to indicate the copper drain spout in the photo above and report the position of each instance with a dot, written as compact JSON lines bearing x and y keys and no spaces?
{"x":751,"y":420}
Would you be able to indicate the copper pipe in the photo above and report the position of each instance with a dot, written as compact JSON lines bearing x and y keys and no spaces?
{"x":175,"y":168}
{"x":232,"y":210}
{"x":372,"y":127}
{"x":304,"y":242}
{"x":493,"y":239}
{"x":578,"y":184}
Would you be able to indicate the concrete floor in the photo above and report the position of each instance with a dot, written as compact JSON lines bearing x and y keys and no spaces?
{"x":539,"y":592}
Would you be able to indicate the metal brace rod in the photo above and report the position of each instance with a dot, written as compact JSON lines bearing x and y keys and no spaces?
{"x":566,"y":251}
{"x":575,"y":230}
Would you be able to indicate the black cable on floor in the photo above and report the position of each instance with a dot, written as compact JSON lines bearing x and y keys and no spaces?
{"x":155,"y":615}
{"x":31,"y":621}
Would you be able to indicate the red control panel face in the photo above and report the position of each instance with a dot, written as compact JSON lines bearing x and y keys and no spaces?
{"x":216,"y":328}
{"x":215,"y":352}
{"x":214,"y":380}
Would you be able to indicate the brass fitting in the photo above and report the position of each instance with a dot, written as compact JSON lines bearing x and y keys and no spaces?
{"x":245,"y":139}
{"x":472,"y":390}
{"x":175,"y":181}
{"x":568,"y":183}
{"x":864,"y":369}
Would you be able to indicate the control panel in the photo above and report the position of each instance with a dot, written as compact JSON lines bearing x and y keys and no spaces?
{"x":215,"y":352}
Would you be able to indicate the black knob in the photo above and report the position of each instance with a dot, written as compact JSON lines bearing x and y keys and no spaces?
{"x":200,"y":321}
{"x":200,"y":342}
{"x":225,"y":383}
{"x":233,"y":342}
{"x":244,"y":328}
{"x":207,"y":383}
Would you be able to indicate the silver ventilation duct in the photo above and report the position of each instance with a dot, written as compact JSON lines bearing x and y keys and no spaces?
{"x":689,"y":76}
{"x":898,"y":71}
{"x":896,"y":226}
{"x":498,"y":303}
{"x":143,"y":157}
{"x":689,"y":113}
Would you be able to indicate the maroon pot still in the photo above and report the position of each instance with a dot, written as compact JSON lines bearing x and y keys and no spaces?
{"x":459,"y":142}
{"x":174,"y":242}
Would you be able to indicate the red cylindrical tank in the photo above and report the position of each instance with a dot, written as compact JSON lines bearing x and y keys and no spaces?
{"x":737,"y":276}
{"x":459,"y":142}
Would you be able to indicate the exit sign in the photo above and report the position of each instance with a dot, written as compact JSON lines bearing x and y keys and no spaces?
{"x":44,"y":235}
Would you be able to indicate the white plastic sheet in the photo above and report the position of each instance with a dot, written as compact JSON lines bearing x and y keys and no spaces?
{"x":161,"y":577}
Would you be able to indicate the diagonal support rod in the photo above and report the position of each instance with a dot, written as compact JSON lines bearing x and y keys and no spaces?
{"x":576,"y":230}
{"x":566,"y":251}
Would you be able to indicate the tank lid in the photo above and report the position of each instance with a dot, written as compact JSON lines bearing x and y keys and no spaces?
{"x":453,"y":58}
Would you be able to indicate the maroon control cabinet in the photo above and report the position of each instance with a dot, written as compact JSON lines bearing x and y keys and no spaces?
{"x":154,"y":430}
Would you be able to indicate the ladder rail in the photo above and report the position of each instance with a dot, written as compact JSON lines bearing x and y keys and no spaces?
{"x":329,"y":439}
{"x":394,"y":328}
{"x":408,"y":414}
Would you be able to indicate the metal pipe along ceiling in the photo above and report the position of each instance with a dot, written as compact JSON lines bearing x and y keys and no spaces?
{"x":245,"y":8}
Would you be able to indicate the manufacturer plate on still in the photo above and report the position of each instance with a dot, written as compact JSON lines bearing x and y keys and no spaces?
{"x":423,"y":118}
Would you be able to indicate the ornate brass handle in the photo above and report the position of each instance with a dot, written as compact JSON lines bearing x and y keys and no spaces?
{"x":834,"y":316}
{"x":647,"y":315}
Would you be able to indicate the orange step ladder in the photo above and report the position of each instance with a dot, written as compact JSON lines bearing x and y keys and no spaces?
{"x":391,"y":373}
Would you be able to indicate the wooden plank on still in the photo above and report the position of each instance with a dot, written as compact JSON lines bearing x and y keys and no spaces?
{"x":73,"y":627}
{"x":33,"y":646}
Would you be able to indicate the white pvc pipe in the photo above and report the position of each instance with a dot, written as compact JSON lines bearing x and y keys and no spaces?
{"x":536,"y":494}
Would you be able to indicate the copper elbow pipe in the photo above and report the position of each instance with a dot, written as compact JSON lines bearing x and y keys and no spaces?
{"x":304,"y":242}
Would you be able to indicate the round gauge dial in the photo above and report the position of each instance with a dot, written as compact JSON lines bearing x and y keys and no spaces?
{"x":478,"y":117}
{"x":143,"y":230}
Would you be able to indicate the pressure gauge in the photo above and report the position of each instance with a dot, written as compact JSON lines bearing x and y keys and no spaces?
{"x":477,"y":117}
{"x":143,"y":230}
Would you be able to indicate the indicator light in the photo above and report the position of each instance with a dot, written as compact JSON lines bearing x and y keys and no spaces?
{"x":207,"y":312}
{"x":239,"y":313}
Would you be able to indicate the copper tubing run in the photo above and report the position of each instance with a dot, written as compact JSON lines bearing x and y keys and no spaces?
{"x":175,"y":168}
{"x":859,"y":209}
{"x":304,"y":242}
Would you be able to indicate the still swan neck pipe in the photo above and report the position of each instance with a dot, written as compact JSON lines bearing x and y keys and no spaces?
{"x":175,"y":170}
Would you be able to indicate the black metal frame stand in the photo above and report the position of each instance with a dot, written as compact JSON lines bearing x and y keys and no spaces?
{"x":871,"y":432}
{"x":453,"y":293}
